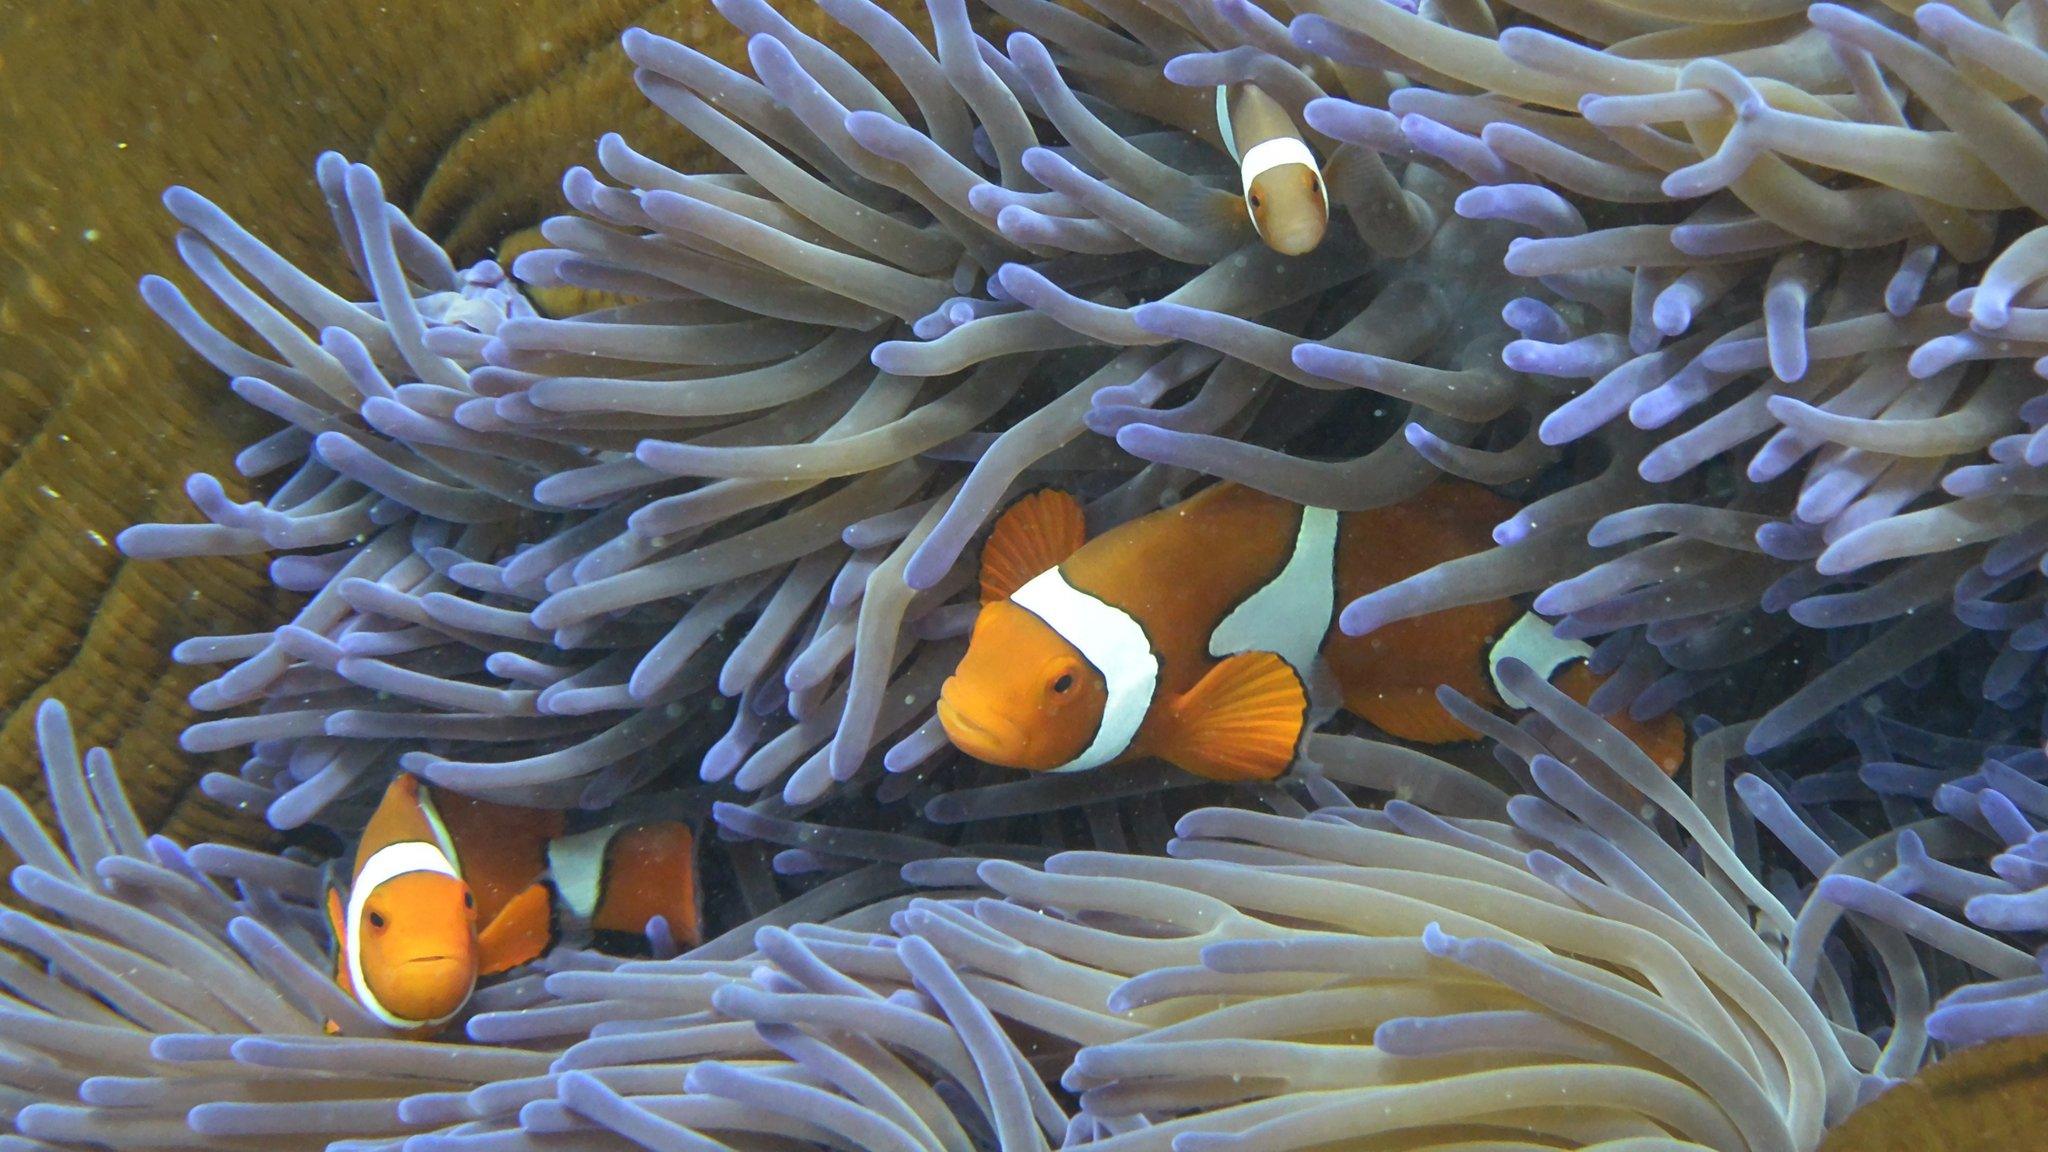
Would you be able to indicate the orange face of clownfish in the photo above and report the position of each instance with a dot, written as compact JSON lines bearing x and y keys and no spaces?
{"x":1288,"y":208}
{"x":1023,"y":696}
{"x":412,"y":950}
{"x":1190,"y":634}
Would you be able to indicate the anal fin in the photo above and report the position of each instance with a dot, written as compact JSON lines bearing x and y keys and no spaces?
{"x":1243,"y":721}
{"x":522,"y":931}
{"x":1411,"y":714}
{"x":1031,"y":536}
{"x":1325,"y":693}
{"x":1664,"y":738}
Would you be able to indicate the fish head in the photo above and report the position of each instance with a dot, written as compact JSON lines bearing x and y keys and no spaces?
{"x":418,"y":939}
{"x":1023,"y":697}
{"x":1288,"y":208}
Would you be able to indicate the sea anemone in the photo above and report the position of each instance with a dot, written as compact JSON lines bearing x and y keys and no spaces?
{"x":1961,"y":870}
{"x":159,"y":997}
{"x":1547,"y":967}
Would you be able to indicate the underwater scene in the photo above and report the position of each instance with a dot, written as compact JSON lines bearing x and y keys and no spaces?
{"x":1010,"y":575}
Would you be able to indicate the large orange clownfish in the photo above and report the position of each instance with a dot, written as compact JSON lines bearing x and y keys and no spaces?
{"x":1195,"y":633}
{"x":446,"y":889}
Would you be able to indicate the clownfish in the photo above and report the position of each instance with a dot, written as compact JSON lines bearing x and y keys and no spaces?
{"x":446,"y":889}
{"x":1194,"y":634}
{"x":1283,"y":186}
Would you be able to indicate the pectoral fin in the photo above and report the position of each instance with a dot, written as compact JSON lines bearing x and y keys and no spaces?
{"x":335,"y":915}
{"x":522,"y":931}
{"x":1243,"y":721}
{"x":336,"y":902}
{"x":1031,"y":536}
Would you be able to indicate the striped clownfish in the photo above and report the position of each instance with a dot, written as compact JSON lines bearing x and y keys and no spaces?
{"x":446,"y":889}
{"x":1283,"y":186}
{"x":1194,"y":633}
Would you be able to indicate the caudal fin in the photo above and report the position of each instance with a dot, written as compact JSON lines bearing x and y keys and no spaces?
{"x":651,"y":870}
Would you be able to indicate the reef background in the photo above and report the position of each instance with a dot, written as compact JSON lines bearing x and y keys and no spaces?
{"x":470,"y":111}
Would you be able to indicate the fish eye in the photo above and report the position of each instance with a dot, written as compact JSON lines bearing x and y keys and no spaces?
{"x":468,"y":900}
{"x":1256,"y":202}
{"x":1064,"y":683}
{"x":376,"y":919}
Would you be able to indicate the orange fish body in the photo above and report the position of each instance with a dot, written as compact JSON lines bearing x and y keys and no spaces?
{"x":1194,"y":633}
{"x":446,"y":889}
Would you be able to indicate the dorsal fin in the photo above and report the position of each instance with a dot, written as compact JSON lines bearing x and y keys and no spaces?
{"x":404,"y":813}
{"x":1031,"y":536}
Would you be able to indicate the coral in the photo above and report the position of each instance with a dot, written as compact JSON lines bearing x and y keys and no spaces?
{"x":102,"y":414}
{"x":1972,"y":1101}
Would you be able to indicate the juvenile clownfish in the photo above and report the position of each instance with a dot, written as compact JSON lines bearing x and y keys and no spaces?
{"x":1283,"y":187}
{"x":1193,"y":633}
{"x":446,"y":889}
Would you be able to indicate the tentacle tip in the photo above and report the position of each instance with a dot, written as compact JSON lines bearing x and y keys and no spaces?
{"x":1938,"y":20}
{"x":1360,"y":618}
{"x":1440,"y":943}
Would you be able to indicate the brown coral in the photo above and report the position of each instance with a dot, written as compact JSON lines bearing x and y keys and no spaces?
{"x":102,"y":413}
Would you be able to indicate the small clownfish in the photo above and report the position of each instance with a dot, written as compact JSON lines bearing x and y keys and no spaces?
{"x":1283,"y":187}
{"x":1194,"y":633}
{"x":446,"y":889}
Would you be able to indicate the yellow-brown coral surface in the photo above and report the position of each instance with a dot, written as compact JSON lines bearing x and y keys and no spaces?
{"x":470,"y":110}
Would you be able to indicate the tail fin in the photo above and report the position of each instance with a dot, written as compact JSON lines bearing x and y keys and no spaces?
{"x":650,"y":870}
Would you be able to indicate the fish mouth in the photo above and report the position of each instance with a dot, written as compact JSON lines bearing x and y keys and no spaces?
{"x":435,"y":959}
{"x":1297,"y":237}
{"x":978,"y":739}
